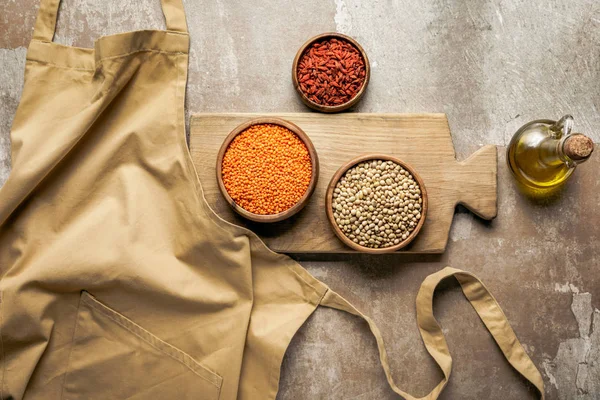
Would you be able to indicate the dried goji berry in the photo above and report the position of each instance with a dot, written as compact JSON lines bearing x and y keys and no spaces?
{"x":331,"y":72}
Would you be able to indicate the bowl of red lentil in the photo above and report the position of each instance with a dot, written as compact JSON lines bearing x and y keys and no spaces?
{"x":331,"y":72}
{"x":376,"y":203}
{"x":267,"y":169}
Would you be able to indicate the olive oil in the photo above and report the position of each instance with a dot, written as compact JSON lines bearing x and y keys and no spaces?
{"x":543,"y":154}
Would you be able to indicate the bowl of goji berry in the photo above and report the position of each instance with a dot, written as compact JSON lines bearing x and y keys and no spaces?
{"x":267,"y":169}
{"x":331,"y":72}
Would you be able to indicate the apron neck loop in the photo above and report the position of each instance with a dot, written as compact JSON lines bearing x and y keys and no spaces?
{"x":174,"y":15}
{"x":45,"y":24}
{"x":486,"y":307}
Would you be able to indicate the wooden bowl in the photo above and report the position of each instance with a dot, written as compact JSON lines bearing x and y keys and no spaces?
{"x":329,"y":201}
{"x":311,"y":186}
{"x":339,"y":107}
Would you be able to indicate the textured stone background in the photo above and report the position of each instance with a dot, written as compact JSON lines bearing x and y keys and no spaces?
{"x":491,"y":65}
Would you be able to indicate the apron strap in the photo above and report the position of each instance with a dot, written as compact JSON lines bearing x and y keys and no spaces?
{"x":174,"y":15}
{"x":45,"y":23}
{"x":482,"y":301}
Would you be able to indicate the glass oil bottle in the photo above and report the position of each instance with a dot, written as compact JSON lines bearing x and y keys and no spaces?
{"x":543,"y":154}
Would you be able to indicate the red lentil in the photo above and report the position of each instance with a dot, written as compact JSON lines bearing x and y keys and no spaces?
{"x":331,"y":72}
{"x":266,"y":169}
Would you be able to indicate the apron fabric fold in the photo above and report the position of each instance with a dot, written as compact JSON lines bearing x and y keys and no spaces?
{"x":117,"y":280}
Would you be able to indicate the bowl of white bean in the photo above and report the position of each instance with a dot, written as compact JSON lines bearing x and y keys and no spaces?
{"x":376,"y":203}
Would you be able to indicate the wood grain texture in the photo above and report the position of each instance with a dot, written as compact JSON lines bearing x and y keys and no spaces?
{"x":422,"y":140}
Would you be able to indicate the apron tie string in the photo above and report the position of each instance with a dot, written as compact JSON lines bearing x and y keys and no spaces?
{"x":488,"y":310}
{"x":45,"y":24}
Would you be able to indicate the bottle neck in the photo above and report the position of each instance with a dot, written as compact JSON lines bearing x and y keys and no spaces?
{"x":569,"y":150}
{"x":552,"y":153}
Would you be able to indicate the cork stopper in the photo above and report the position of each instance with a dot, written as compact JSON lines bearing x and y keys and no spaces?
{"x":578,"y":147}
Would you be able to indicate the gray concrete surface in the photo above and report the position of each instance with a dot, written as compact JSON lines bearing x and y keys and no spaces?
{"x":491,"y":65}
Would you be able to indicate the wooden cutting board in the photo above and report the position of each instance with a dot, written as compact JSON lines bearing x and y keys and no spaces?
{"x":422,"y":140}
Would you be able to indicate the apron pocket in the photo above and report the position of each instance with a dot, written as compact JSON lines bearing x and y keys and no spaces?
{"x":114,"y":358}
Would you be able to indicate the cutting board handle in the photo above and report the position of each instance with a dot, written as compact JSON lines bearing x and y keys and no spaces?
{"x":478,"y":193}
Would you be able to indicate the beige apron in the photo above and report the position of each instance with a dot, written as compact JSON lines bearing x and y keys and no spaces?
{"x":117,"y":280}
